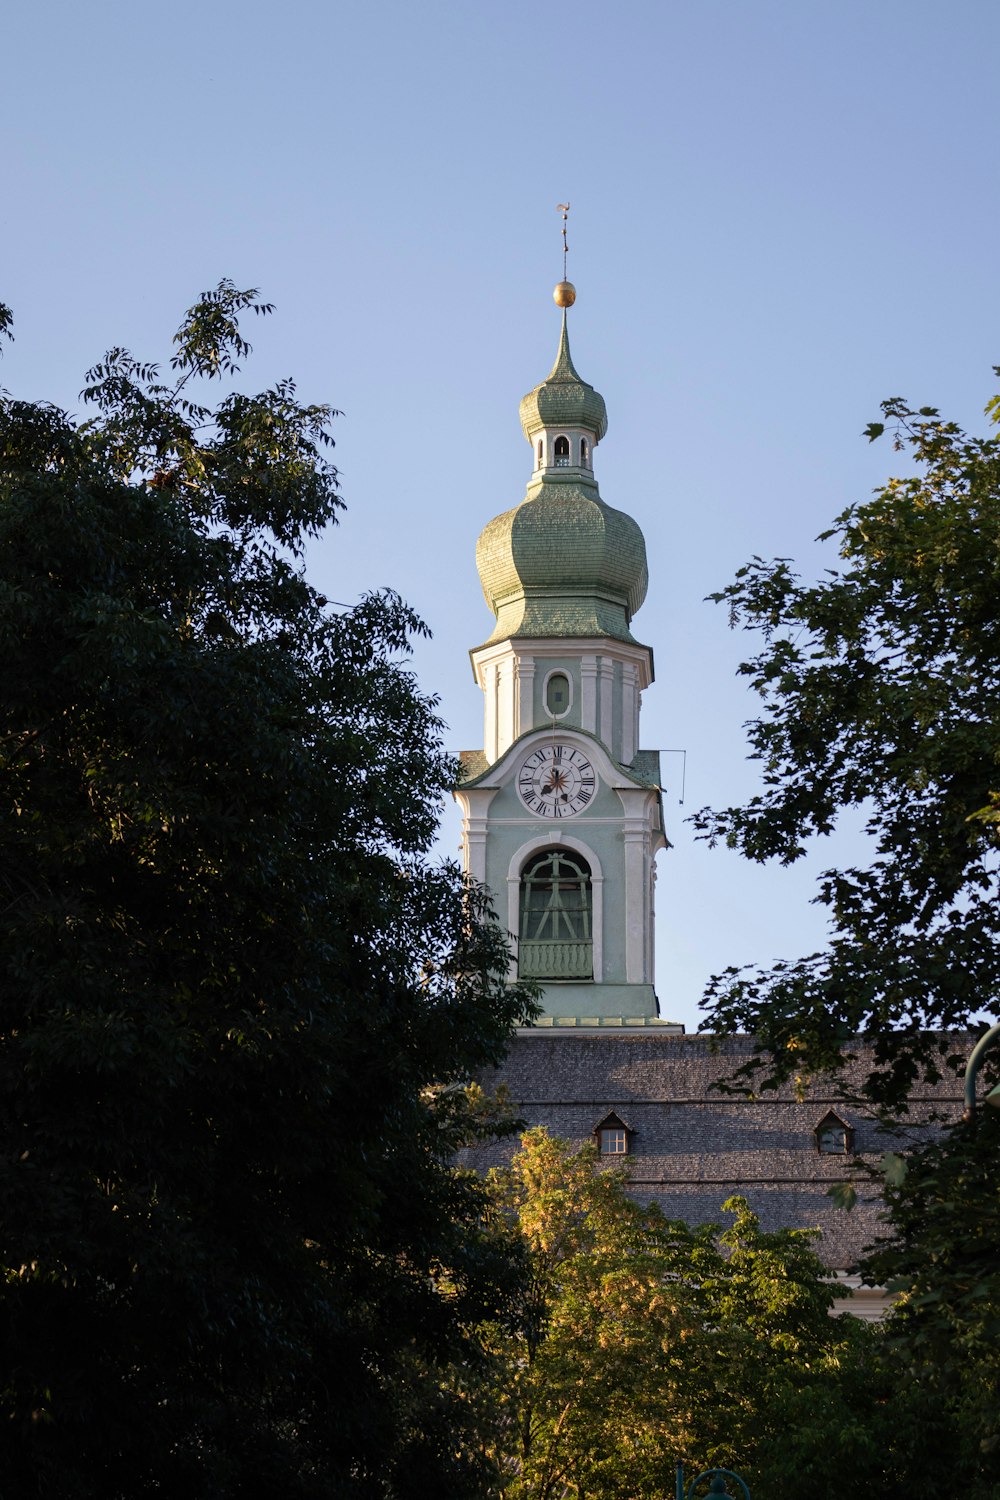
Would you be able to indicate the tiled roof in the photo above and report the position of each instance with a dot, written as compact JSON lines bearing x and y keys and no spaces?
{"x":645,"y":767}
{"x":694,"y":1146}
{"x":472,"y":763}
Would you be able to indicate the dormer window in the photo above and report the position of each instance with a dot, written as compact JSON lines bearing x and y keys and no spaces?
{"x":561,"y":451}
{"x":834,"y":1137}
{"x":613,"y":1136}
{"x":584,"y":454}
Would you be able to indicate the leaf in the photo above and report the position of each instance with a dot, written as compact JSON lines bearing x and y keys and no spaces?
{"x":894,"y":1168}
{"x":844,"y":1195}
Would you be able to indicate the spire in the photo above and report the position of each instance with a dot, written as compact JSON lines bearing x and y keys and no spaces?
{"x":564,"y":369}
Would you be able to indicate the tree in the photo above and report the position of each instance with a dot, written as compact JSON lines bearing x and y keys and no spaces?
{"x":881,"y":691}
{"x":237,"y":1004}
{"x":589,"y":1373}
{"x":940,"y":1253}
{"x":643,"y":1341}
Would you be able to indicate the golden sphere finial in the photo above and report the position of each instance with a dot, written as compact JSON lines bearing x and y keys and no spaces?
{"x":565,"y":294}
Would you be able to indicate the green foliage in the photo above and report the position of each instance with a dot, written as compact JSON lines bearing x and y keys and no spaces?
{"x":237,"y":1004}
{"x":643,"y":1341}
{"x":940,"y":1251}
{"x":881,"y":691}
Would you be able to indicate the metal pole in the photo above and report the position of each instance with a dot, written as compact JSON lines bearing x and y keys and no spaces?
{"x":972,"y":1067}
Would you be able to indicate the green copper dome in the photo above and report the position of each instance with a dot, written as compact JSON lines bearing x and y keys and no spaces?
{"x":562,"y":563}
{"x":563,"y":399}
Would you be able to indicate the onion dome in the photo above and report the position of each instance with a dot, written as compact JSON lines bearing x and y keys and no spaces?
{"x":563,"y":399}
{"x":562,"y":563}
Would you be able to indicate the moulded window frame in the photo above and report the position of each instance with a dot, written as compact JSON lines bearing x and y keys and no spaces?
{"x":832,"y":1121}
{"x":557,"y":672}
{"x":613,"y":1122}
{"x":562,"y":460}
{"x":560,"y":851}
{"x":551,"y":839}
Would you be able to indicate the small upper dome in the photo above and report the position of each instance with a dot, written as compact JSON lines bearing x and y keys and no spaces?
{"x":563,"y":399}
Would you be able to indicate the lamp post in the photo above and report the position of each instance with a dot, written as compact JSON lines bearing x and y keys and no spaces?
{"x":986,"y":1041}
{"x":717,"y":1483}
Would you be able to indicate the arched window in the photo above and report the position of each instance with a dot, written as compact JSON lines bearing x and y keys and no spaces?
{"x":556,"y":937}
{"x":557,"y":694}
{"x":584,"y":454}
{"x":540,"y":451}
{"x":561,"y":451}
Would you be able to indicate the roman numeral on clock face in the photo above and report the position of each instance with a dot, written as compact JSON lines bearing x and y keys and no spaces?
{"x":556,"y":781}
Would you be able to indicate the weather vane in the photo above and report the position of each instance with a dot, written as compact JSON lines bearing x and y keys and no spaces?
{"x":563,"y":208}
{"x":565,"y":292}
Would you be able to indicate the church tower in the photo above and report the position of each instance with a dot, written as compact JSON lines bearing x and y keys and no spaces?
{"x":562,"y":812}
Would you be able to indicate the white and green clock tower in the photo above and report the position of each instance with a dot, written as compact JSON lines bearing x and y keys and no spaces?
{"x":562,"y":811}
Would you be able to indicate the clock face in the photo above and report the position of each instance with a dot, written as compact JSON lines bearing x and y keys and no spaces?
{"x":556,"y":781}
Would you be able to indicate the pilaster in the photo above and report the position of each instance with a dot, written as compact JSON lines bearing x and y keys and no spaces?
{"x":588,"y":692}
{"x":524,"y":669}
{"x":607,"y":673}
{"x":490,"y":747}
{"x":629,"y":712}
{"x":506,"y":732}
{"x":635,"y":839}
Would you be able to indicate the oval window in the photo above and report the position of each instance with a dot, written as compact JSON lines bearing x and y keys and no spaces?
{"x":557,"y":693}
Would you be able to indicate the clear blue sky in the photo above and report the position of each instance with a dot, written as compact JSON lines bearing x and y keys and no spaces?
{"x":782,"y":212}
